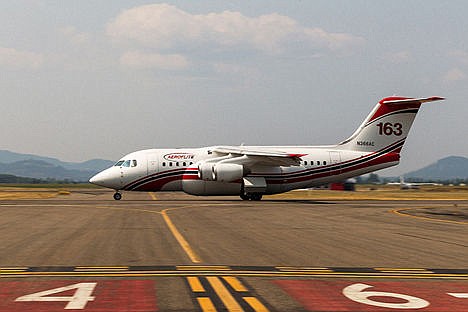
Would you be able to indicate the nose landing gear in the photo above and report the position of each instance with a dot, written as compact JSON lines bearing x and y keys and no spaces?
{"x":117,"y":196}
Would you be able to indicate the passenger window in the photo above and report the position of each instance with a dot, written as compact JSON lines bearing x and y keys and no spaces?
{"x":119,"y":163}
{"x":177,"y":164}
{"x":164,"y":164}
{"x":126,"y":163}
{"x":170,"y":164}
{"x":311,"y":162}
{"x":191,"y":163}
{"x":185,"y":164}
{"x":324,"y":162}
{"x":318,"y":162}
{"x":305,"y":163}
{"x":134,"y":163}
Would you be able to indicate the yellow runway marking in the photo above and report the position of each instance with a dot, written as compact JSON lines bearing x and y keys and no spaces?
{"x":38,"y":272}
{"x":101,"y":269}
{"x":235,"y":283}
{"x":178,"y":236}
{"x":13,"y":270}
{"x":227,"y":299}
{"x":180,"y":239}
{"x":400,"y":213}
{"x":203,"y":268}
{"x":305,"y":269}
{"x":153,"y":196}
{"x":206,"y":304}
{"x":128,"y":209}
{"x":255,"y":304}
{"x":403,"y":270}
{"x":224,"y":293}
{"x":195,"y":284}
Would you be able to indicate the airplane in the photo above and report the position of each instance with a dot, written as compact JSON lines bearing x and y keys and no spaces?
{"x":411,"y":185}
{"x":253,"y":171}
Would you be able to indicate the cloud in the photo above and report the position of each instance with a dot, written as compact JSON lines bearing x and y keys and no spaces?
{"x":15,"y":59}
{"x":398,"y":57}
{"x":165,"y":27}
{"x":460,"y":55}
{"x":454,"y":74}
{"x":74,"y":35}
{"x":140,"y":60}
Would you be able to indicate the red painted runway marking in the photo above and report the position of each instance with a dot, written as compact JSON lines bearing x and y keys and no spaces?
{"x":378,"y":296}
{"x":88,"y":296}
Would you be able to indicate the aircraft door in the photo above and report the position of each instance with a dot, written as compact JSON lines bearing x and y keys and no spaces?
{"x":335,"y":158}
{"x":125,"y":172}
{"x":153,"y":164}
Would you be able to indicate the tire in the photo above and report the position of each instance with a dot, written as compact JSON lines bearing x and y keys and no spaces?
{"x":244,"y":196}
{"x":117,"y":196}
{"x":256,"y":196}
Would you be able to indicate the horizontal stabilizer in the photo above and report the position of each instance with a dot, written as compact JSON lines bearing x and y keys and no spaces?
{"x":396,"y":100}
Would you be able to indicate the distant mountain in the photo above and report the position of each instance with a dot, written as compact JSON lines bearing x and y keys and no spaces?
{"x":39,"y":167}
{"x":8,"y":157}
{"x":449,"y":168}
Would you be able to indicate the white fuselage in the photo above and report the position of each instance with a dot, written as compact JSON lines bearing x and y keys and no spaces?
{"x":177,"y":169}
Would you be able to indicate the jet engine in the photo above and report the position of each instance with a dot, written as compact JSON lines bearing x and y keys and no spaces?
{"x":220,"y":172}
{"x":213,"y":179}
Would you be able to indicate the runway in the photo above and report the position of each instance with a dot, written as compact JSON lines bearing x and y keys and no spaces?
{"x":196,"y":248}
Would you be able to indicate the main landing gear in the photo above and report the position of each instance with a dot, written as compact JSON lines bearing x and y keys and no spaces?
{"x":117,"y":196}
{"x":251,"y":196}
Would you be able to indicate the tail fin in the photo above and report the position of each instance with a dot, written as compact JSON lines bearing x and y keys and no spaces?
{"x":387,"y":126}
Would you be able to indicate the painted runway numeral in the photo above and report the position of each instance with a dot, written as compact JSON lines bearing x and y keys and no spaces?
{"x":358,"y":293}
{"x":341,"y":295}
{"x":78,"y":301}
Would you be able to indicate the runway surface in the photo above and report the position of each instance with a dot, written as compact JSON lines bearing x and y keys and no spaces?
{"x":177,"y":252}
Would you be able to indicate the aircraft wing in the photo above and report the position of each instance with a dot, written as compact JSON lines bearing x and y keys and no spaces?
{"x":249,"y":157}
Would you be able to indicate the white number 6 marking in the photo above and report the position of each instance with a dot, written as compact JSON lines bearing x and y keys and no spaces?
{"x":356,"y":293}
{"x":78,"y":301}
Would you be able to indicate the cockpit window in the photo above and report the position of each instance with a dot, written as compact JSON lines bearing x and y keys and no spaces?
{"x":134,"y":163}
{"x":126,"y":163}
{"x":119,"y":163}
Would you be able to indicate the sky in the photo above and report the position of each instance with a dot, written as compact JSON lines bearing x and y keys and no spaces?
{"x":100,"y":79}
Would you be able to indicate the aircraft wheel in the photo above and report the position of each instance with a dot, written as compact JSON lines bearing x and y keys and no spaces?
{"x":244,"y":196}
{"x":117,"y":196}
{"x":256,"y":196}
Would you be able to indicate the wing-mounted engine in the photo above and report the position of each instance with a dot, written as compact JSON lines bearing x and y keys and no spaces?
{"x":216,"y":176}
{"x":220,"y":172}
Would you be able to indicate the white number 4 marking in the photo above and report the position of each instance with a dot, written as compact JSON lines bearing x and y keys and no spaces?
{"x":78,"y":301}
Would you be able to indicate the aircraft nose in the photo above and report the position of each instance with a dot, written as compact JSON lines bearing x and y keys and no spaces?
{"x":95,"y":179}
{"x":107,"y":178}
{"x":98,"y":179}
